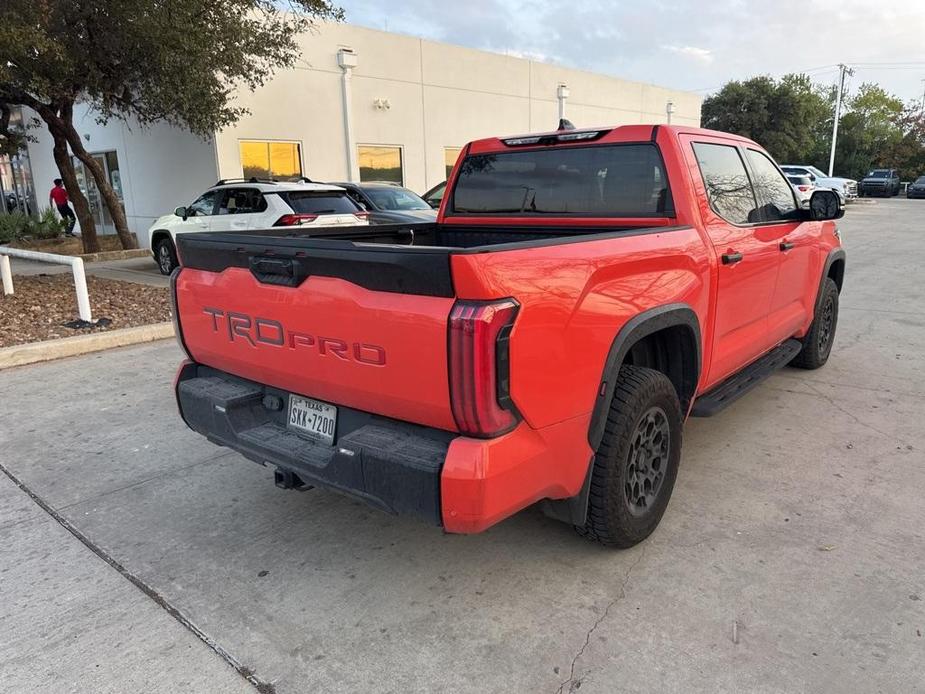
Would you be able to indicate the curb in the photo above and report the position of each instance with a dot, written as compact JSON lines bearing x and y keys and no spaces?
{"x":34,"y":352}
{"x":103,"y":256}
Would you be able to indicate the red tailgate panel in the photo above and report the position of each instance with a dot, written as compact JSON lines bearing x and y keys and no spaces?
{"x":329,"y":339}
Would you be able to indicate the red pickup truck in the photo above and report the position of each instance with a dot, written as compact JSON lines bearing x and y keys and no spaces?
{"x":581,"y":293}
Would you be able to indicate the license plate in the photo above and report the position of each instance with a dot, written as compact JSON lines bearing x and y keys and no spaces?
{"x":314,"y":419}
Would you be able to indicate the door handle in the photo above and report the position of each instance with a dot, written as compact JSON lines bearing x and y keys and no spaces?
{"x":731,"y":258}
{"x":786,"y":245}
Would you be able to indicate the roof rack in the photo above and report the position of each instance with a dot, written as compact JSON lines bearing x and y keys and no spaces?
{"x":304,"y":179}
{"x":252,"y":179}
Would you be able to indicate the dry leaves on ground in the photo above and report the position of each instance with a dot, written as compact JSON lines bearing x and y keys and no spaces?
{"x":42,"y":304}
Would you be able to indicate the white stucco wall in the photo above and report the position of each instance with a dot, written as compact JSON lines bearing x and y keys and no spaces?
{"x":440,"y":96}
{"x":161,"y":167}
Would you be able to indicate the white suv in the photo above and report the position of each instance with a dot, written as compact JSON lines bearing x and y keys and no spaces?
{"x":245,"y":204}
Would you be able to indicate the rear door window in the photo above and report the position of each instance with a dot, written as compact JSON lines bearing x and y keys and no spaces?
{"x":729,"y":189}
{"x":774,"y":193}
{"x":596,"y":181}
{"x":320,"y":202}
{"x":242,"y":201}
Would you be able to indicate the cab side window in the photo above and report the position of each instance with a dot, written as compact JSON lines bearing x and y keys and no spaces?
{"x":728,"y":186}
{"x":203,"y":206}
{"x":774,"y":192}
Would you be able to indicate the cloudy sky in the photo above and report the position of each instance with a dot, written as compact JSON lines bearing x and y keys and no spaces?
{"x":685,"y":44}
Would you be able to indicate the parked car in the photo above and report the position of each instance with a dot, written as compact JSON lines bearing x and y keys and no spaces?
{"x":389,"y":203}
{"x":804,"y":187}
{"x":543,"y":341}
{"x":916,"y":189}
{"x":247,"y":204}
{"x":847,"y":188}
{"x":882,"y":182}
{"x":434,"y":196}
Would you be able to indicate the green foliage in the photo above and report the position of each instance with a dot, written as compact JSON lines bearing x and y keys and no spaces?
{"x":781,"y":115}
{"x":156,"y":60}
{"x":792,"y":119}
{"x":18,"y":226}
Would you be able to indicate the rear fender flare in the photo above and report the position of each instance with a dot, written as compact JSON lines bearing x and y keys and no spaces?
{"x":636,"y":328}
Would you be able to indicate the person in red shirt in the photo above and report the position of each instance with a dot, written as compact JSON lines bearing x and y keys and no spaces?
{"x":58,"y":197}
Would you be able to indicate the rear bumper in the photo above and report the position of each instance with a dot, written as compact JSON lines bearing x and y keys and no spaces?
{"x":391,"y":465}
{"x":463,"y":484}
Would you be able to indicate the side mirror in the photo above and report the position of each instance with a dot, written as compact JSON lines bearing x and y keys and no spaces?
{"x":825,"y":204}
{"x":434,"y":204}
{"x":181,"y":212}
{"x":812,"y":178}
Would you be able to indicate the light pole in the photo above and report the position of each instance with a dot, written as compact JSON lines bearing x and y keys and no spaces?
{"x":669,"y":109}
{"x":843,"y":70}
{"x":562,"y":93}
{"x":347,"y":60}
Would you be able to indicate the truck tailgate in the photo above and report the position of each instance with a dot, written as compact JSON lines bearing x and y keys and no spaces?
{"x":373,"y":348}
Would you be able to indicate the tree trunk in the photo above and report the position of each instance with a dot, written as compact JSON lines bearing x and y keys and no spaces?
{"x":88,"y":237}
{"x":99,"y":175}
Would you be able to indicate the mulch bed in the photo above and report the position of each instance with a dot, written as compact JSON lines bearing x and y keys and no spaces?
{"x":67,"y":245}
{"x":42,"y":304}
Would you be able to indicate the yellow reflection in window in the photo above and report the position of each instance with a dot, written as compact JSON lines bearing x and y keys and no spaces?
{"x":450,"y":154}
{"x":284,"y":160}
{"x":380,"y":163}
{"x":277,"y":160}
{"x":255,"y":159}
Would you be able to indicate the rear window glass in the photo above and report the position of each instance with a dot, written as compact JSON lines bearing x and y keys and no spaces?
{"x":324,"y":202}
{"x":598,"y":181}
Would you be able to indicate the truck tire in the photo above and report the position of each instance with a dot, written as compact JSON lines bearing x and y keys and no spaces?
{"x":165,"y":255}
{"x":817,"y":343}
{"x":636,"y":463}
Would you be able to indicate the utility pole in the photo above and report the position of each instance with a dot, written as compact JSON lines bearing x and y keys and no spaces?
{"x":843,"y":70}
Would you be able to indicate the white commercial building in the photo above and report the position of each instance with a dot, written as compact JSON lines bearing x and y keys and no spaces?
{"x":360,"y":104}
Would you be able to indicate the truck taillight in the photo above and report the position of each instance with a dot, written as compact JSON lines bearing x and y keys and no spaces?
{"x":480,"y":388}
{"x":291,"y":220}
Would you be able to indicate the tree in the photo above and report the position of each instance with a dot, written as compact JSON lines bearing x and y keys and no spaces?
{"x":784,"y":115}
{"x":177,"y":61}
{"x":869,"y":132}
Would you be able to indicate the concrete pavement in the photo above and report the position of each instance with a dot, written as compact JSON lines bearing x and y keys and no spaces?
{"x":790,"y":558}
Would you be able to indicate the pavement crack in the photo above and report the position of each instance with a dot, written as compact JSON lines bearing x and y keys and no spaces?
{"x":571,"y":681}
{"x":263,"y":687}
{"x":852,"y":415}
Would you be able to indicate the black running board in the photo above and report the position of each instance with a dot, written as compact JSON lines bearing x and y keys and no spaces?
{"x":743,"y":381}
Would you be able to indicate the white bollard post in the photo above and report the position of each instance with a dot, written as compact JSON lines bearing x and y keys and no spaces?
{"x":80,"y":284}
{"x":7,"y":274}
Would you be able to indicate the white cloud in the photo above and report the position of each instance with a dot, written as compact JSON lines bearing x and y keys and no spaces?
{"x":682,"y":44}
{"x":703,"y":55}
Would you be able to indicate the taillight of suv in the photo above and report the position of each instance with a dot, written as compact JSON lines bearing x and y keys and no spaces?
{"x":291,"y":220}
{"x":479,"y":356}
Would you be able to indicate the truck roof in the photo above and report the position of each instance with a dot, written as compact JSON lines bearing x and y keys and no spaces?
{"x":610,"y":133}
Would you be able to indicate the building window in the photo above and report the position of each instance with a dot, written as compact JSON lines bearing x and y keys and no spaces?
{"x":380,"y":164}
{"x":278,"y":160}
{"x":450,"y":155}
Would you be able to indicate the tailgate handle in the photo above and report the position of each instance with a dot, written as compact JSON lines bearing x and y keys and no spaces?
{"x":274,"y":271}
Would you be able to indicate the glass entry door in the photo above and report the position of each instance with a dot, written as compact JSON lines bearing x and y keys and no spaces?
{"x":110,"y":165}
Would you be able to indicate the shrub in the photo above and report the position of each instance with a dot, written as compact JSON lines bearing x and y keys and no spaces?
{"x":48,"y":226}
{"x":12,"y":226}
{"x":17,"y":226}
